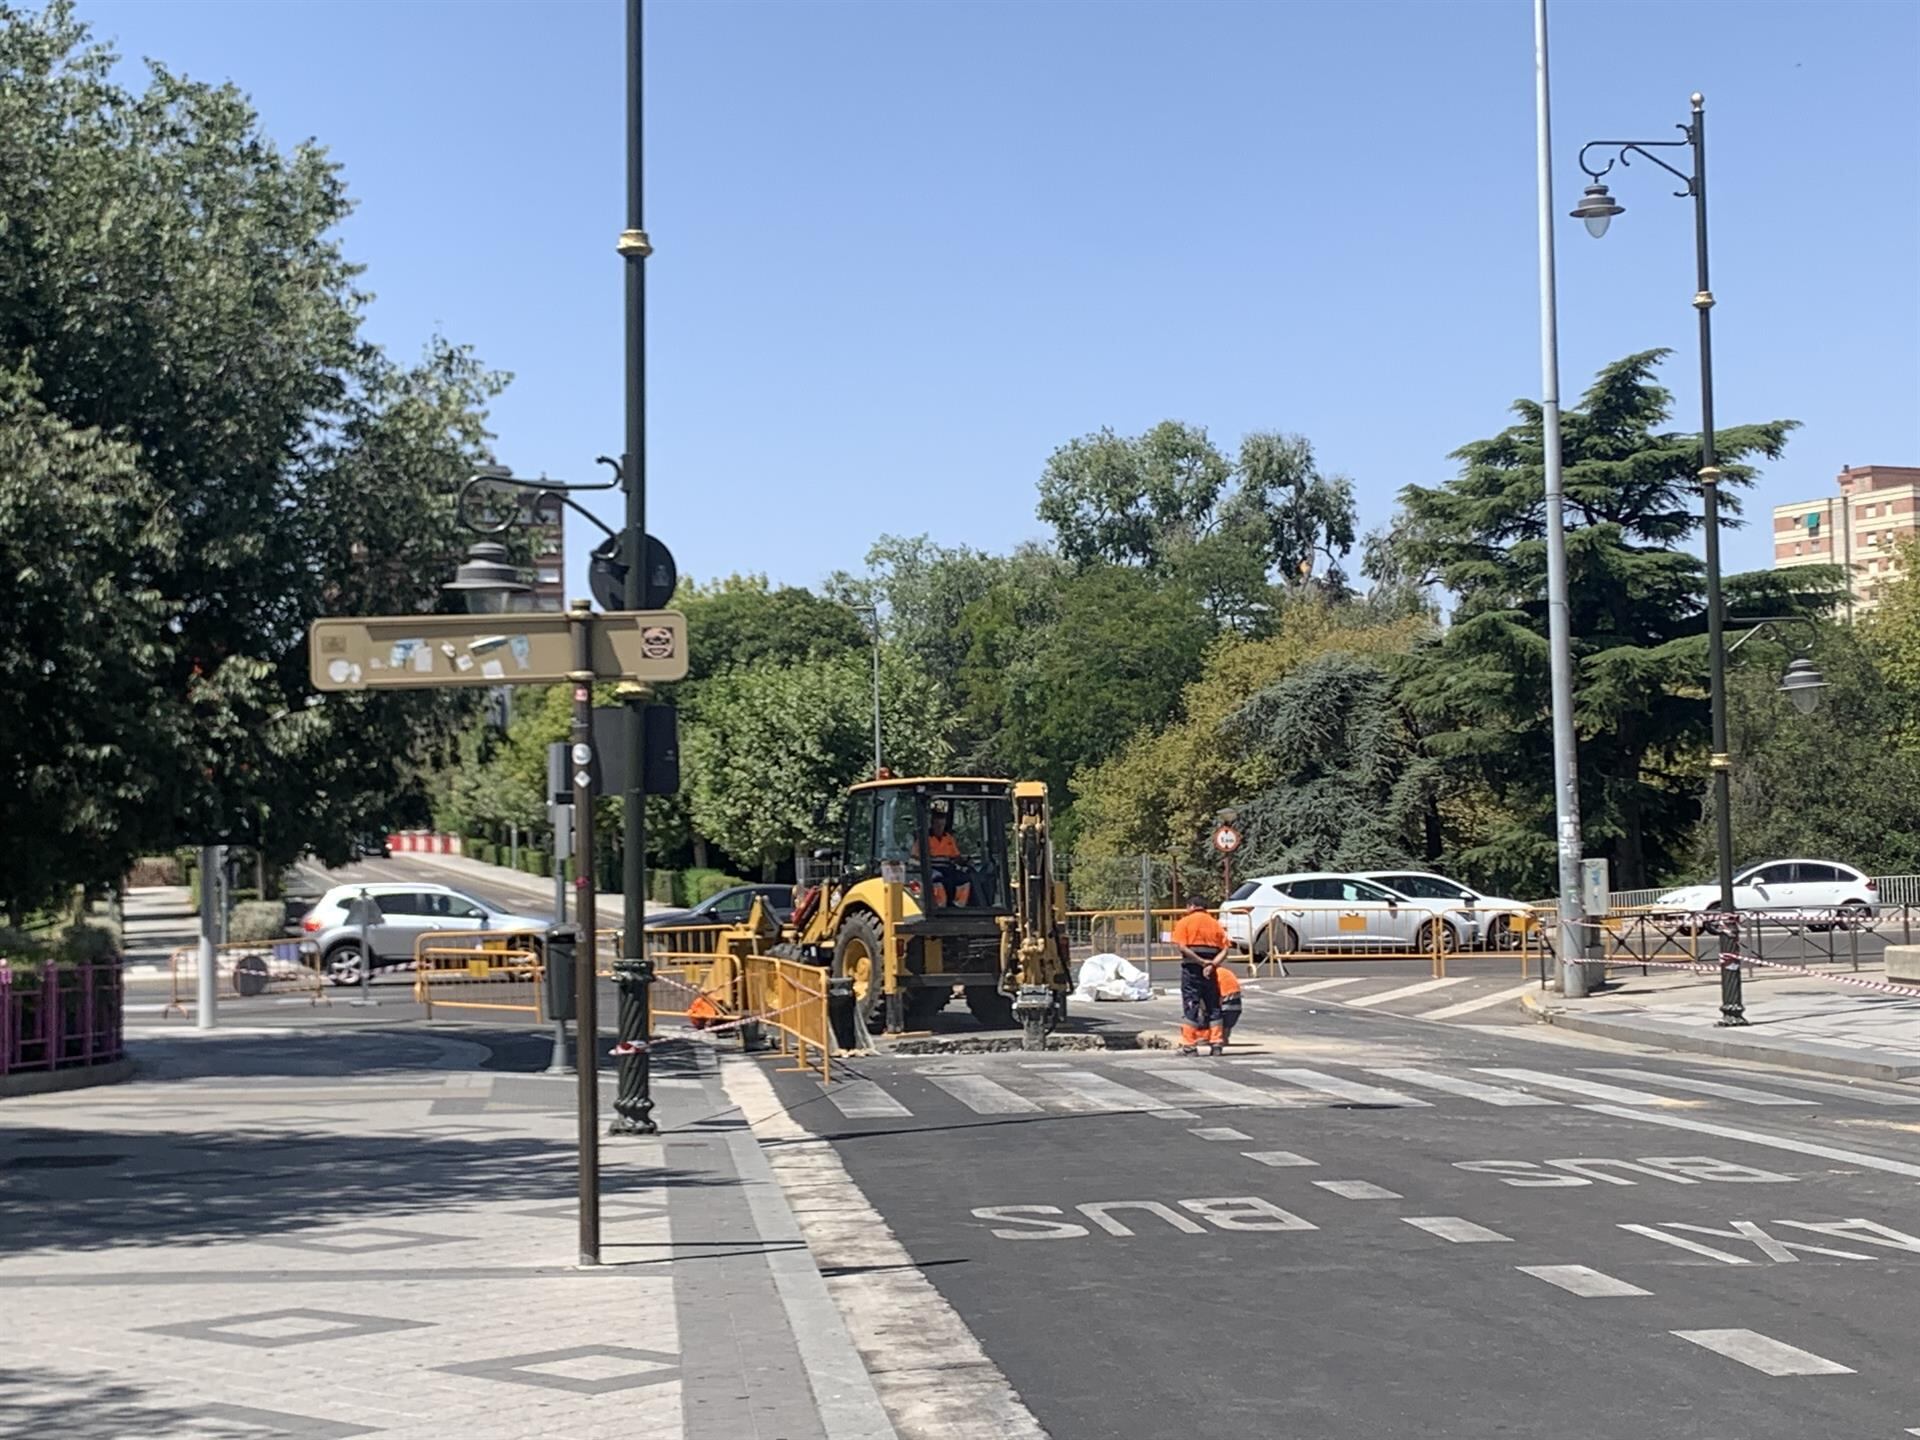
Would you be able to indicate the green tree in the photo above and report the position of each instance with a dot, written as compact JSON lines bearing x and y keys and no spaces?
{"x":1835,"y":783}
{"x":1159,"y":794}
{"x":1346,"y":786}
{"x":772,"y":749}
{"x":173,"y":283}
{"x":1636,"y":613}
{"x":743,"y":621}
{"x":1169,"y":500}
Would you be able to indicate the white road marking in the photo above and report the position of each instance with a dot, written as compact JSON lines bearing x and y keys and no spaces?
{"x":1480,"y":1002}
{"x":1405,"y":990}
{"x":1581,"y":1280}
{"x":1852,"y":1092}
{"x":1108,"y":1094}
{"x":1452,"y":1227}
{"x":1219,"y":1132}
{"x":1762,"y":1353}
{"x":864,"y":1100}
{"x":1358,"y":1190}
{"x":1314,"y":985}
{"x":984,"y":1096}
{"x":1471,"y":1089}
{"x":1744,"y":1094}
{"x":1755,"y":1137}
{"x":1279,"y":1159}
{"x":1214,"y":1087}
{"x":1592,"y":1089}
{"x":1685,"y":1244}
{"x":1353,"y":1090}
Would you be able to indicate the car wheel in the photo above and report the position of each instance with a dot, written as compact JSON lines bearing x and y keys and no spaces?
{"x":1856,"y":913}
{"x":345,"y":964}
{"x":1501,"y":934}
{"x":1449,"y":938}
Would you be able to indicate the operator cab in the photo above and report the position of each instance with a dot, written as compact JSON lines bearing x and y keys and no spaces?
{"x":946,"y":838}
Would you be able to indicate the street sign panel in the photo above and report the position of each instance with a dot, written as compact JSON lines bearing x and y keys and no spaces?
{"x":421,"y":652}
{"x":1226,"y":839}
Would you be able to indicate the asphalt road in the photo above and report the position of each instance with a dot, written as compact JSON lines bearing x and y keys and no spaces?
{"x":1381,"y":1238}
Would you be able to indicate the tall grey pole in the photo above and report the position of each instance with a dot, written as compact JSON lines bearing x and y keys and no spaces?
{"x":205,"y":989}
{"x":586,"y":977}
{"x":633,"y":1106}
{"x":1733,"y":1009}
{"x":1566,"y":763}
{"x":876,"y":692}
{"x":562,"y":842}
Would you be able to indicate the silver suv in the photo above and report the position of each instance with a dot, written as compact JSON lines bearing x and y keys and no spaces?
{"x":407,"y":911}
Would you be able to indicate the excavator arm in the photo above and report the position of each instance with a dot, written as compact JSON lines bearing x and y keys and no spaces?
{"x":1033,"y":950}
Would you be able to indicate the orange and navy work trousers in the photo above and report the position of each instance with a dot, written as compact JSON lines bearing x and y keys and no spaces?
{"x":1201,"y":1021}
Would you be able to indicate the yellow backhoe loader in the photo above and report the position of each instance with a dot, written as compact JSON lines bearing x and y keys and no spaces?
{"x":943,"y":884}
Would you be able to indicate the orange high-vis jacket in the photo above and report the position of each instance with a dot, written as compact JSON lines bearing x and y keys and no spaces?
{"x":1228,"y":982}
{"x":943,"y":847}
{"x":1198,"y":930}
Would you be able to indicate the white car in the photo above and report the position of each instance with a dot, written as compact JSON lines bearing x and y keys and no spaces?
{"x":1498,"y":923}
{"x":408,"y":910}
{"x":1783,"y":888}
{"x":1285,"y":914}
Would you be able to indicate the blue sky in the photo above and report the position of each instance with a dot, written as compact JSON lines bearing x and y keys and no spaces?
{"x":903,"y":250}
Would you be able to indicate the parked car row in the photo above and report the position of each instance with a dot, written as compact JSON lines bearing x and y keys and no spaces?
{"x":1376,"y":910}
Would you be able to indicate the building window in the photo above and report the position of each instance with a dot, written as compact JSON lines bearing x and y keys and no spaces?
{"x":549,"y":575}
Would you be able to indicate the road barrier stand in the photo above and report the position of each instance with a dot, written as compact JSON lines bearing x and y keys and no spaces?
{"x":491,"y":970}
{"x":789,"y":997}
{"x":244,"y":969}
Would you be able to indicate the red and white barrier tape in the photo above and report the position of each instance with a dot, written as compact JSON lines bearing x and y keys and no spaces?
{"x":1887,"y":987}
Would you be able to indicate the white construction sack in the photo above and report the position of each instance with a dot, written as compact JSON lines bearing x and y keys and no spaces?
{"x":1109,"y":977}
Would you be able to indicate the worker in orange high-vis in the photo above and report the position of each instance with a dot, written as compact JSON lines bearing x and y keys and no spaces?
{"x":1201,"y":942}
{"x":1229,"y":984}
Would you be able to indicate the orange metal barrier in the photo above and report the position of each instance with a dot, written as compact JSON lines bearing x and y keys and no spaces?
{"x":789,"y":997}
{"x":480,"y":970}
{"x":243,"y":969}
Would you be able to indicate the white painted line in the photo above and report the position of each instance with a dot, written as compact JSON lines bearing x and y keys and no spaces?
{"x":864,"y":1100}
{"x":1279,"y":1159}
{"x":1214,"y":1087}
{"x":1479,"y":1002}
{"x":1774,"y":1142}
{"x":1219,"y":1132}
{"x":1471,"y":1089}
{"x":1745,"y":1094}
{"x":1405,"y":990}
{"x":984,"y":1096}
{"x":1174,"y":1114}
{"x":1353,"y":1090}
{"x":1358,"y":1190}
{"x":1581,"y":1280}
{"x":1452,"y":1227}
{"x":1106,"y":1094}
{"x":1314,"y":985}
{"x":1759,"y":1352}
{"x":1852,"y":1092}
{"x":1592,"y":1089}
{"x":1685,"y":1244}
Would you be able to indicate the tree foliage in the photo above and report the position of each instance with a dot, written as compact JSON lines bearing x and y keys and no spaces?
{"x":773,"y":748}
{"x":1479,"y":693}
{"x":177,"y":316}
{"x":1170,"y":501}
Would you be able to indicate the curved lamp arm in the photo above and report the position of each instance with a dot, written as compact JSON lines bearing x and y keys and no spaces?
{"x":501,"y":477}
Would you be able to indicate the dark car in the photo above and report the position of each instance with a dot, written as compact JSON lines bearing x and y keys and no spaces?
{"x":729,"y":907}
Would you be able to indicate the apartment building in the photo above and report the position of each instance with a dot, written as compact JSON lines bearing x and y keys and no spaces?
{"x":1860,"y":527}
{"x":547,"y":525}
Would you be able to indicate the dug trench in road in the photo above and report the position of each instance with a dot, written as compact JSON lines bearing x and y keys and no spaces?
{"x":1460,"y":1253}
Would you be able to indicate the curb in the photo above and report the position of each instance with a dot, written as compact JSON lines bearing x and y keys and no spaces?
{"x":1733,"y":1045}
{"x":80,"y":1077}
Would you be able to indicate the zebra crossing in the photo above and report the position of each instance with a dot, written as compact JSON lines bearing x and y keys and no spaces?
{"x":1453,"y":998}
{"x":1161,"y":1086}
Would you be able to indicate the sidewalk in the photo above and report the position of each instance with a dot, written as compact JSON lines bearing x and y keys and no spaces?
{"x":1836,"y":1022}
{"x":158,"y":919}
{"x":342,"y":1233}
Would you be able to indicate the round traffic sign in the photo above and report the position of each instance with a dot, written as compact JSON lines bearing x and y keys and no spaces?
{"x":1226,"y":839}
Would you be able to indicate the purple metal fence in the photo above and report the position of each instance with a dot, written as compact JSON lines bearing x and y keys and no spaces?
{"x":55,"y":1017}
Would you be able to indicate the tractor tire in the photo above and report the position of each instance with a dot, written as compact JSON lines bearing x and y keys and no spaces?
{"x":990,"y":1007}
{"x":785,"y":951}
{"x":858,"y":956}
